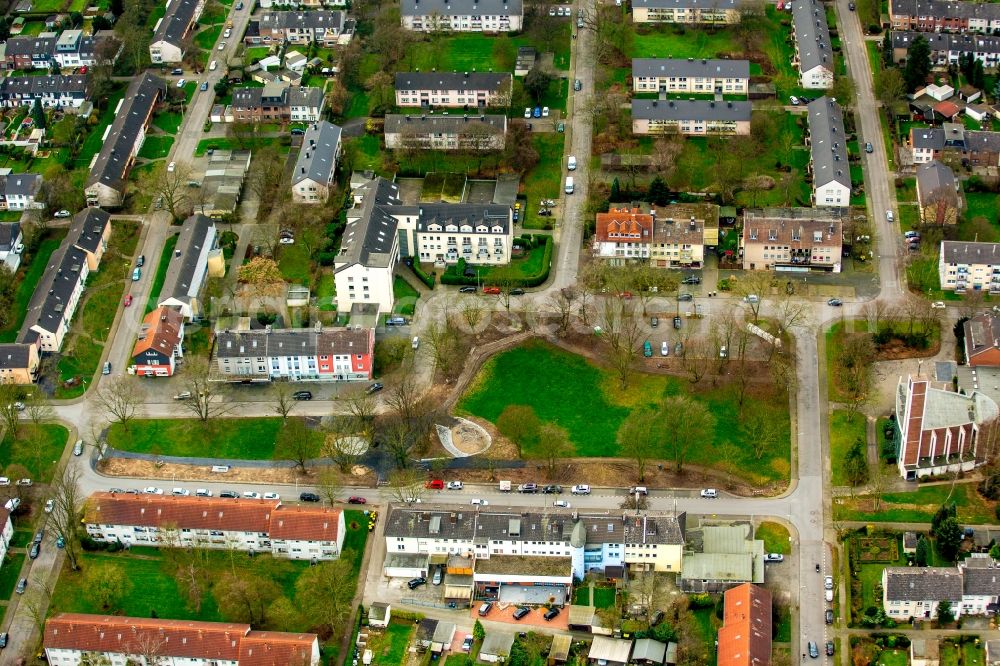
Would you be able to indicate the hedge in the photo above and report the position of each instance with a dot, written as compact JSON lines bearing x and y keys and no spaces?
{"x":424,"y":277}
{"x":455,"y":274}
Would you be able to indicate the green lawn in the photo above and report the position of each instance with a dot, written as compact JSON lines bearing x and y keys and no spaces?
{"x":389,"y":648}
{"x":585,"y":400}
{"x":545,"y":180}
{"x":10,"y":573}
{"x":775,"y":537}
{"x":683,"y":42}
{"x":226,"y":144}
{"x":21,"y":537}
{"x":406,"y":296}
{"x":255,"y":53}
{"x":161,"y":271}
{"x":326,"y":292}
{"x":295,"y":264}
{"x":528,"y":266}
{"x":168,"y":121}
{"x":908,"y":190}
{"x":982,"y":204}
{"x":918,"y":505}
{"x":844,"y":430}
{"x":974,"y":655}
{"x":707,"y":629}
{"x":206,"y":38}
{"x":870,"y":575}
{"x":45,"y":452}
{"x":250,"y":438}
{"x":892,"y":658}
{"x":466,"y":52}
{"x":156,"y":147}
{"x":604,"y":597}
{"x":95,"y":139}
{"x":29,"y":274}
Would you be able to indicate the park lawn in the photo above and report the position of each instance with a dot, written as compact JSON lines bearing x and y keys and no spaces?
{"x":206,"y":38}
{"x":405,"y":296}
{"x":236,"y":438}
{"x":545,"y":180}
{"x":683,"y":42}
{"x":168,"y":121}
{"x":918,"y":506}
{"x":156,"y":147}
{"x":92,"y":145}
{"x":47,"y":450}
{"x":845,"y":429}
{"x":584,"y":398}
{"x":775,"y":537}
{"x":30,"y":274}
{"x":525,"y":267}
{"x":604,"y":597}
{"x":10,"y":573}
{"x":161,"y":272}
{"x":295,"y":263}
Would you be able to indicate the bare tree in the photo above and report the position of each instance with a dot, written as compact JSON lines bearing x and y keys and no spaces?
{"x":284,"y":403}
{"x":39,"y":409}
{"x":363,"y":406}
{"x":790,"y":312}
{"x":563,"y":301}
{"x":343,"y":444}
{"x":170,"y":186}
{"x":553,"y":444}
{"x":196,"y":376}
{"x":695,"y":358}
{"x":876,"y":312}
{"x":472,"y":312}
{"x":621,"y":333}
{"x":754,"y":288}
{"x":445,"y":343}
{"x":640,"y":438}
{"x":64,"y":520}
{"x":10,"y":414}
{"x":854,"y":366}
{"x":329,"y":485}
{"x":406,"y":485}
{"x":120,"y":399}
{"x":690,"y":426}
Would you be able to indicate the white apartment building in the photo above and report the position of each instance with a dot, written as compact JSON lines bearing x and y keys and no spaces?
{"x":5,"y":533}
{"x":170,"y":35}
{"x":971,"y":588}
{"x":828,"y":154}
{"x":453,"y":89}
{"x":483,"y":132}
{"x":316,"y":166}
{"x":964,"y":265}
{"x":262,"y":526}
{"x":478,"y":233}
{"x":462,"y":15}
{"x":677,"y":75}
{"x":710,"y":12}
{"x":690,"y":117}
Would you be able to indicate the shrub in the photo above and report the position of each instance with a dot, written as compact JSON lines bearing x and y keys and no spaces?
{"x":424,"y":277}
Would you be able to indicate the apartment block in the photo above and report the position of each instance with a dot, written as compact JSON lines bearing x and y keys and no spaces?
{"x":690,"y":117}
{"x":677,"y":75}
{"x":483,"y":132}
{"x":336,"y":354}
{"x":792,"y":239}
{"x":453,"y":89}
{"x":462,"y":15}
{"x":710,"y":12}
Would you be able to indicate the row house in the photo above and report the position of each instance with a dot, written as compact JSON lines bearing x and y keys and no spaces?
{"x":938,"y":197}
{"x":19,"y":362}
{"x":622,"y":235}
{"x":297,"y":532}
{"x":11,"y":245}
{"x":947,"y":48}
{"x":29,"y":52}
{"x":71,"y":639}
{"x":462,"y":15}
{"x":322,"y":27}
{"x":952,"y":142}
{"x":965,"y":265}
{"x":792,"y":239}
{"x":6,"y":532}
{"x":172,"y":32}
{"x":831,"y":173}
{"x":677,"y":75}
{"x":53,"y":92}
{"x":745,"y":634}
{"x":453,"y":89}
{"x":972,"y":588}
{"x":69,"y":49}
{"x":485,"y":132}
{"x":18,"y":191}
{"x":944,"y":16}
{"x":671,"y":236}
{"x":813,"y":48}
{"x":160,"y":343}
{"x":277,"y":102}
{"x":711,"y":12}
{"x":690,"y":117}
{"x":939,"y":429}
{"x":122,"y":140}
{"x":196,"y":256}
{"x":336,"y":354}
{"x":301,"y":4}
{"x":313,"y":176}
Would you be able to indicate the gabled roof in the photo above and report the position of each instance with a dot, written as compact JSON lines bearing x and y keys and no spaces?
{"x":947,"y":9}
{"x":968,"y":252}
{"x":615,"y":650}
{"x":370,"y":234}
{"x":175,"y":22}
{"x":14,"y":356}
{"x":745,"y":636}
{"x":316,"y":19}
{"x":88,"y":227}
{"x":42,"y":86}
{"x":293,"y":342}
{"x":980,"y":576}
{"x":446,"y":124}
{"x":828,"y":143}
{"x":987,"y":141}
{"x":647,"y":649}
{"x":624,"y":226}
{"x":927,"y":138}
{"x":21,"y":184}
{"x":933,"y":176}
{"x":948,"y":41}
{"x":490,"y":81}
{"x":497,"y":643}
{"x":184,"y":264}
{"x":162,"y":332}
{"x":923,"y":584}
{"x":277,"y":648}
{"x":463,"y":214}
{"x":685,"y":109}
{"x":48,"y":302}
{"x":461,"y":7}
{"x":812,"y":35}
{"x":690,"y":68}
{"x":713,"y":5}
{"x":793,"y":226}
{"x":318,"y":156}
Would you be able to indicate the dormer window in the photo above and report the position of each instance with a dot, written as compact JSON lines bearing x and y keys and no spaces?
{"x":772,"y":234}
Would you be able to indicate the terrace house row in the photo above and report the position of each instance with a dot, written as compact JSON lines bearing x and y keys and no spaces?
{"x":676,"y":75}
{"x":828,"y":164}
{"x":71,"y":48}
{"x":453,"y":89}
{"x":953,"y":143}
{"x":673,"y":236}
{"x":947,"y":48}
{"x":710,"y":12}
{"x":813,"y":49}
{"x":322,"y":27}
{"x":335,"y":354}
{"x":483,"y":132}
{"x":170,"y":37}
{"x":462,"y":15}
{"x":277,"y":102}
{"x":944,"y":16}
{"x":67,"y":93}
{"x":972,"y":588}
{"x":690,"y":117}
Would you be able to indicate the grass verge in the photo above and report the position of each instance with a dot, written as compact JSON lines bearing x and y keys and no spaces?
{"x":845,"y":429}
{"x":38,"y":449}
{"x":248,"y":439}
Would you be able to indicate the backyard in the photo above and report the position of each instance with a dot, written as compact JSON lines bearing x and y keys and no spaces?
{"x":405,"y":296}
{"x":237,"y":438}
{"x":560,"y":387}
{"x":161,"y":271}
{"x":29,"y":275}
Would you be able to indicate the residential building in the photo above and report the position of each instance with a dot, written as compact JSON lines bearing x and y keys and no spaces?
{"x":828,"y":164}
{"x":222,"y":184}
{"x":67,"y":93}
{"x":90,"y":231}
{"x":453,"y":89}
{"x":313,"y":176}
{"x":680,"y":234}
{"x":993,"y":652}
{"x":446,"y":232}
{"x":75,"y":49}
{"x":11,"y":245}
{"x":160,"y":343}
{"x":53,"y":303}
{"x":122,"y":140}
{"x":964,"y":265}
{"x":171,"y":33}
{"x":980,"y":584}
{"x":306,"y":4}
{"x":605,"y":651}
{"x":745,"y":635}
{"x":982,"y":341}
{"x":19,"y":362}
{"x":982,"y":148}
{"x":321,"y":27}
{"x":813,"y":48}
{"x":677,"y":75}
{"x":277,"y":102}
{"x":482,"y":132}
{"x":972,"y":588}
{"x":937,"y":194}
{"x":297,"y":532}
{"x":926,"y":144}
{"x":196,"y":248}
{"x":317,"y":354}
{"x":462,"y":15}
{"x":946,"y":48}
{"x":5,"y":533}
{"x":792,"y":239}
{"x":938,"y":429}
{"x":944,"y":16}
{"x":496,"y":646}
{"x":623,"y":234}
{"x":18,"y":191}
{"x":725,"y":555}
{"x":29,"y":52}
{"x":76,"y":638}
{"x":586,"y":542}
{"x":690,"y":117}
{"x":711,"y":12}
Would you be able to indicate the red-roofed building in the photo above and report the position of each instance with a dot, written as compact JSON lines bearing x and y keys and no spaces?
{"x":71,"y":636}
{"x":623,"y":234}
{"x":258,"y":525}
{"x":745,"y":635}
{"x":160,"y":343}
{"x":947,"y":110}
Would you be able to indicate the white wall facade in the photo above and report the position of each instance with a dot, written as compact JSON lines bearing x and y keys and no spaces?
{"x":690,"y":84}
{"x":362,"y":284}
{"x":832,"y":194}
{"x":817,"y":78}
{"x":463,"y":23}
{"x":60,"y":657}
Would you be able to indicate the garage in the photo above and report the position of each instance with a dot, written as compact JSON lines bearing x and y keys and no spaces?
{"x":405,"y":565}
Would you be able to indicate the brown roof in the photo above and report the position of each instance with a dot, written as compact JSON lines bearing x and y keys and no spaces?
{"x":621,"y":225}
{"x":341,"y":341}
{"x":679,"y":232}
{"x":946,"y":109}
{"x":305,"y":523}
{"x":982,"y":334}
{"x":274,"y":648}
{"x":745,"y":636}
{"x":792,"y":231}
{"x":163,"y":333}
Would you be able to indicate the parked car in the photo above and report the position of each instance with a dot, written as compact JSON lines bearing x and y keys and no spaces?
{"x":152,"y":490}
{"x":537,"y":113}
{"x":414,"y":583}
{"x":561,"y":504}
{"x":527,"y":488}
{"x":180,"y":492}
{"x":4,"y":481}
{"x":774,"y":557}
{"x":455,"y":485}
{"x":517,"y":291}
{"x":829,"y":616}
{"x":375,"y":388}
{"x":62,"y":213}
{"x":527,"y":112}
{"x":128,"y":300}
{"x":485,"y":609}
{"x":106,"y":370}
{"x":222,"y":46}
{"x":228,"y":494}
{"x":354,"y":499}
{"x":691,"y":279}
{"x":938,"y":305}
{"x":685,"y":297}
{"x":50,"y":506}
{"x":521,"y":612}
{"x":202,"y":492}
{"x":308,"y":497}
{"x":828,"y":582}
{"x":228,"y":33}
{"x":467,"y":644}
{"x":22,"y":585}
{"x":577,"y":85}
{"x":12,"y":504}
{"x":813,"y":650}
{"x":640,"y":490}
{"x":467,"y":290}
{"x":794,"y":100}
{"x":647,"y":349}
{"x":709,"y":493}
{"x":677,"y":322}
{"x":552,"y":490}
{"x":3,"y":640}
{"x":654,"y":322}
{"x":835,"y":302}
{"x":479,"y":502}
{"x":36,"y":548}
{"x":664,"y":348}
{"x":869,"y":148}
{"x":888,"y":216}
{"x":438,"y":576}
{"x":491,"y":290}
{"x":303,"y":395}
{"x":551,"y":614}
{"x":180,"y":83}
{"x":183,"y":395}
{"x":829,"y":648}
{"x":24,"y":483}
{"x":581,"y":489}
{"x":435,"y":484}
{"x":545,"y":112}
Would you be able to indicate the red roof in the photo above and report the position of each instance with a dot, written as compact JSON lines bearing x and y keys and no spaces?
{"x":745,"y":636}
{"x":163,"y":328}
{"x":305,"y":523}
{"x":275,"y":648}
{"x":624,"y":226}
{"x":946,"y":109}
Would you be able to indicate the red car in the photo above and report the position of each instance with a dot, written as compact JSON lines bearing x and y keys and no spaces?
{"x":128,"y":300}
{"x":356,"y":500}
{"x":491,"y":290}
{"x":627,"y":295}
{"x":436,"y":484}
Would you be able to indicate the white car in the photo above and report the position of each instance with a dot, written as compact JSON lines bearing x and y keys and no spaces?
{"x":527,"y":112}
{"x":212,"y":66}
{"x":829,"y":595}
{"x":582,"y":489}
{"x":251,"y":495}
{"x":709,"y":493}
{"x":774,"y":557}
{"x":272,"y":496}
{"x":203,"y":492}
{"x":4,"y":481}
{"x":480,"y":502}
{"x":180,"y":83}
{"x":171,"y":167}
{"x":24,"y":483}
{"x":412,"y":500}
{"x":152,"y":490}
{"x":183,"y":492}
{"x":455,"y":485}
{"x":794,"y":100}
{"x":545,"y":112}
{"x":828,"y":582}
{"x":938,"y":305}
{"x":888,"y":216}
{"x":561,"y":504}
{"x":227,"y":33}
{"x":62,"y":213}
{"x":222,"y":46}
{"x":50,"y":506}
{"x":286,"y":240}
{"x":664,"y":348}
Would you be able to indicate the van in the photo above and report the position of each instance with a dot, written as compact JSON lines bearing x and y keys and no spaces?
{"x":395,"y":321}
{"x":416,"y":342}
{"x":709,"y":493}
{"x":569,"y":185}
{"x":571,"y":164}
{"x":137,"y":274}
{"x":484,"y":610}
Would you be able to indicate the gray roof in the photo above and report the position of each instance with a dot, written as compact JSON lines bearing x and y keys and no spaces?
{"x":29,"y":46}
{"x":981,"y":577}
{"x":371,"y":229}
{"x":317,"y":19}
{"x":556,"y":525}
{"x":933,"y":176}
{"x":923,"y":584}
{"x":278,"y":93}
{"x":461,"y":7}
{"x":688,"y":4}
{"x":305,"y":96}
{"x":812,"y":35}
{"x":647,"y":649}
{"x":87,"y":229}
{"x":968,"y":252}
{"x":988,"y":141}
{"x":112,"y":163}
{"x":14,"y":356}
{"x":491,"y":81}
{"x":828,"y":143}
{"x":683,"y":109}
{"x":927,"y":138}
{"x":9,"y":233}
{"x":184,"y":263}
{"x":444,"y":123}
{"x":949,"y":9}
{"x":20,"y":184}
{"x":43,"y":86}
{"x":965,"y":42}
{"x":175,"y":22}
{"x":48,"y":302}
{"x":690,"y":68}
{"x":318,"y":155}
{"x":292,"y":342}
{"x":497,"y":643}
{"x":461,"y":214}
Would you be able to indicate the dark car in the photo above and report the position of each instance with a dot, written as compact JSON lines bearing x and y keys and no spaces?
{"x":3,"y":640}
{"x":869,"y":148}
{"x":303,"y":395}
{"x":356,"y":500}
{"x":517,"y":292}
{"x":657,"y":618}
{"x":22,"y":585}
{"x":36,"y":548}
{"x":308,"y":497}
{"x":375,"y":388}
{"x":552,"y":490}
{"x":551,"y":613}
{"x":692,"y":279}
{"x":677,"y":322}
{"x":141,"y":261}
{"x":829,"y":616}
{"x":521,"y":612}
{"x":835,"y":302}
{"x":416,"y":582}
{"x":829,"y":648}
{"x":654,"y":322}
{"x":39,"y":535}
{"x":467,"y":290}
{"x":813,"y":650}
{"x":229,"y":494}
{"x":685,"y":297}
{"x":298,"y":131}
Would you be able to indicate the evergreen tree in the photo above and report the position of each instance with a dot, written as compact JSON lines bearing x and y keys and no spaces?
{"x":659,"y":193}
{"x":616,"y":190}
{"x":38,"y":114}
{"x":996,"y":90}
{"x":923,"y":555}
{"x":918,"y":64}
{"x":949,"y":538}
{"x":978,"y":77}
{"x":887,"y":59}
{"x":944,"y":511}
{"x":945,"y":614}
{"x":856,"y":463}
